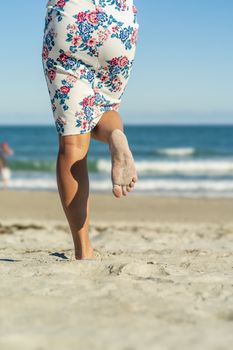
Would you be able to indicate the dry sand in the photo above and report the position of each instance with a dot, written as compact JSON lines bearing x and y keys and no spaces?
{"x":162,"y":277}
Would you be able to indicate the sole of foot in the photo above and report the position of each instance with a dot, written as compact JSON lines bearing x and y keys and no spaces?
{"x":123,"y":173}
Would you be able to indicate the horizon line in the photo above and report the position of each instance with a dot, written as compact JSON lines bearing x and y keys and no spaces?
{"x":135,"y":124}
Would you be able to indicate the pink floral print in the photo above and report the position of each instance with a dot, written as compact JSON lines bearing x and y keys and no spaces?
{"x":88,"y":53}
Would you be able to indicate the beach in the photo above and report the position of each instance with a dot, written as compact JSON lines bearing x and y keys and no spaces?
{"x":161,"y":277}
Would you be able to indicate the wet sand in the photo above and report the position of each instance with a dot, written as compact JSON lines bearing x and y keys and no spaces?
{"x":105,"y":207}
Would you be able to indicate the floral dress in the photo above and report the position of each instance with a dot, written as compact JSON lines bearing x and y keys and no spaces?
{"x":88,"y":52}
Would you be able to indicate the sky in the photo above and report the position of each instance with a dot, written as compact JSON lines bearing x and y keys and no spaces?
{"x":182,"y":71}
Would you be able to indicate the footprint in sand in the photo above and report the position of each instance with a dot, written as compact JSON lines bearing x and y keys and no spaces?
{"x":144,"y":270}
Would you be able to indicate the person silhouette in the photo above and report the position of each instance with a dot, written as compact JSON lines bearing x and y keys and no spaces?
{"x":5,"y":172}
{"x":88,"y":53}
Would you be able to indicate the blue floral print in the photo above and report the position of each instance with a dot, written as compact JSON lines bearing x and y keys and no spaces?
{"x":120,"y":5}
{"x":85,"y":77}
{"x":80,"y":35}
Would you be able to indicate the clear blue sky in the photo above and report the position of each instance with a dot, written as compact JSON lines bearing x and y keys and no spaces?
{"x":183,"y":69}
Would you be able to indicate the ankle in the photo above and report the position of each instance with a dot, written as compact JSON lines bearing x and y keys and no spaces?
{"x":117,"y":140}
{"x":115,"y":132}
{"x":84,"y":254}
{"x":83,"y":251}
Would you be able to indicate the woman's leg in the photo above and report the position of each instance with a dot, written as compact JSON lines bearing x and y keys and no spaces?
{"x":73,"y":186}
{"x":110,"y":130}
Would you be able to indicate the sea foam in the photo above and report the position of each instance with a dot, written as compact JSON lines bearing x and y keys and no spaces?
{"x":176,"y":152}
{"x":184,"y":167}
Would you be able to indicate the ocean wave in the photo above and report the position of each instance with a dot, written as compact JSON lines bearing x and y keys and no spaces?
{"x":190,"y":152}
{"x":32,"y":165}
{"x":42,"y":165}
{"x":164,"y":187}
{"x":185,"y":167}
{"x":175,"y":186}
{"x":176,"y":152}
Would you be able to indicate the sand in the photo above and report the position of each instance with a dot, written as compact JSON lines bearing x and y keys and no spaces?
{"x":162,"y":277}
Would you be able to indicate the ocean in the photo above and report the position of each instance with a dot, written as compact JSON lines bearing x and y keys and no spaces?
{"x":194,"y":161}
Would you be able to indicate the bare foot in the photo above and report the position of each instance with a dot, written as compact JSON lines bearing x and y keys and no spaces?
{"x":85,"y":254}
{"x":124,"y":174}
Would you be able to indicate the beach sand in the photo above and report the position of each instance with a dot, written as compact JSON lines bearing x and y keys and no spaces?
{"x":161,"y":279}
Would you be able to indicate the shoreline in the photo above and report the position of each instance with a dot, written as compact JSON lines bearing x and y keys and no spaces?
{"x":40,"y":205}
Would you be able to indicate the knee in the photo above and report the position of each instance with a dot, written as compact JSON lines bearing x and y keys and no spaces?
{"x":74,"y":146}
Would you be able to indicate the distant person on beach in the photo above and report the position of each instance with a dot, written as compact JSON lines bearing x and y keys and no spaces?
{"x":88,"y":53}
{"x":5,"y":171}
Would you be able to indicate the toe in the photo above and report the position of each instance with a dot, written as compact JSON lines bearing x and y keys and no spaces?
{"x":129,"y":189}
{"x":131,"y":185}
{"x":124,"y":190}
{"x":134,"y":179}
{"x":117,"y":191}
